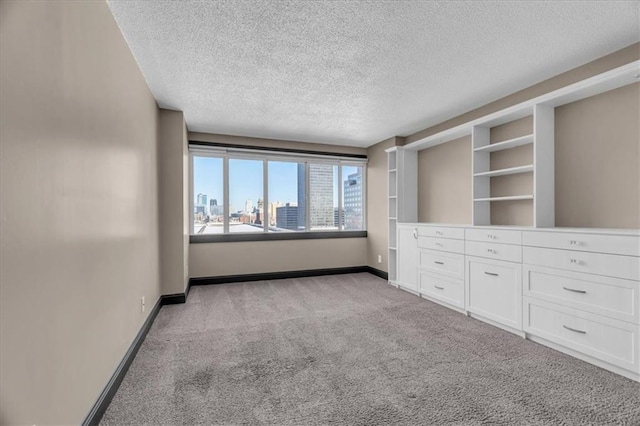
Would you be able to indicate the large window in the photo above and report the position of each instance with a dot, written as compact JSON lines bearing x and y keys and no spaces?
{"x":244,"y":191}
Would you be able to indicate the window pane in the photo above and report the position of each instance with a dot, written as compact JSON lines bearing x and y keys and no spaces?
{"x":323,"y":197}
{"x":286,"y":196}
{"x":208,"y":202}
{"x":245,"y":196}
{"x":352,"y":198}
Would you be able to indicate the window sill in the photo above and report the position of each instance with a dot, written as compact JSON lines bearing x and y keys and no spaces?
{"x":229,"y":238}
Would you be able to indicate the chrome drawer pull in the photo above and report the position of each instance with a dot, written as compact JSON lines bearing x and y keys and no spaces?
{"x":574,"y":243}
{"x":491,"y":237}
{"x":439,"y":288}
{"x":438,"y":263}
{"x":438,"y":244}
{"x":492,"y":251}
{"x":575,"y":261}
{"x":493,"y":274}
{"x":438,"y":233}
{"x":574,"y":330}
{"x":574,"y":290}
{"x":415,"y":233}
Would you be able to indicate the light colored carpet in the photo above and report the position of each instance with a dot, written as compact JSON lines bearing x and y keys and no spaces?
{"x":350,"y":349}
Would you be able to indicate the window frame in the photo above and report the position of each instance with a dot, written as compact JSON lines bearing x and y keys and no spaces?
{"x":228,"y":152}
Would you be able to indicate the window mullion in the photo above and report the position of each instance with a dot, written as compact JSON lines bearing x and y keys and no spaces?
{"x":307,"y":196}
{"x":225,"y":183}
{"x":265,"y":195}
{"x":340,"y":206}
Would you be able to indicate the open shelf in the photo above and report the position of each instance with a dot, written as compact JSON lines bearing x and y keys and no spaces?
{"x":509,"y":171}
{"x":392,"y":171}
{"x":511,"y":143}
{"x":509,"y":198}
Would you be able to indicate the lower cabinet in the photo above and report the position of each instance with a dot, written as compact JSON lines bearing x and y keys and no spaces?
{"x":442,"y":288}
{"x":615,"y":342}
{"x":408,"y":257}
{"x":494,"y":291}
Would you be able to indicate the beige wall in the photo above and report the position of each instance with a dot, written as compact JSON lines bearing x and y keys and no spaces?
{"x":598,"y":161}
{"x":596,"y":166}
{"x":444,"y":182}
{"x":79,"y":244}
{"x":377,"y":202}
{"x":173,"y":178}
{"x":218,"y":259}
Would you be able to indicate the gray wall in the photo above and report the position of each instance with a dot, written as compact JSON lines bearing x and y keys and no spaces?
{"x":79,"y":207}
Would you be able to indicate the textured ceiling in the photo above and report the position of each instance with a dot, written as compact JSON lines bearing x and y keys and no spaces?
{"x":355,"y":73}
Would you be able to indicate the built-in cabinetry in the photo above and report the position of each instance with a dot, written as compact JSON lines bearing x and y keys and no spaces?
{"x":402,"y":199}
{"x":576,"y":290}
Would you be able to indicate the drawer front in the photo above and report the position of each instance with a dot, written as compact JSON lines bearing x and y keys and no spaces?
{"x":612,"y":341}
{"x":611,"y":297}
{"x":499,"y":236}
{"x":441,"y":232}
{"x":613,"y":244}
{"x":448,"y":290}
{"x":494,"y":290}
{"x":611,"y":265}
{"x":443,"y":244}
{"x":449,"y":264}
{"x":506,"y":252}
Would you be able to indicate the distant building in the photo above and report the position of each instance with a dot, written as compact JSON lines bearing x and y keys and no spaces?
{"x":287,"y":217}
{"x":273,"y":213}
{"x":352,"y":191}
{"x":202,"y":199}
{"x":248,"y":206}
{"x":214,"y":208}
{"x":320,"y":195}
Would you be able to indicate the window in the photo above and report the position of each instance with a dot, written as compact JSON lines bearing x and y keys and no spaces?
{"x":245,"y":191}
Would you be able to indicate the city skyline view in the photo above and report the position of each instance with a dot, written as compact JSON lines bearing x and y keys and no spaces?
{"x":286,"y":182}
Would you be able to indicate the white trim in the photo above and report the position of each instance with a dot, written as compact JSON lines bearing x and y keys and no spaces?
{"x":274,"y":155}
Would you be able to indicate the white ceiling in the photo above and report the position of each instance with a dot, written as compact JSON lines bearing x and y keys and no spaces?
{"x":357,"y":72}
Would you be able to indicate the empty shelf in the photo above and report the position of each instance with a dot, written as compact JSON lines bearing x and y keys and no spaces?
{"x":510,"y":198}
{"x":511,"y":143}
{"x":509,"y":171}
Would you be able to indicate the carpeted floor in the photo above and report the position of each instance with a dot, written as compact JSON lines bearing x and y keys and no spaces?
{"x":350,"y":349}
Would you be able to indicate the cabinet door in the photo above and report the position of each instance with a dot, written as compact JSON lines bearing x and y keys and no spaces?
{"x":494,"y":290}
{"x":408,"y":257}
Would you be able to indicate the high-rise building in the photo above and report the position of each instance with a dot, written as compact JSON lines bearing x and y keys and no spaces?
{"x":352,"y":195}
{"x":214,"y":208}
{"x":248,"y":206}
{"x":287,"y":217}
{"x":202,"y":199}
{"x":320,"y":195}
{"x":273,"y":212}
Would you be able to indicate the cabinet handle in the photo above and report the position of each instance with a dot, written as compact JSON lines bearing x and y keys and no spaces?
{"x":491,"y":237}
{"x":438,"y":244}
{"x":574,"y":290}
{"x":575,"y":261}
{"x":575,"y":330}
{"x":438,"y":263}
{"x":439,"y":288}
{"x":493,"y":274}
{"x":438,"y":232}
{"x":492,"y":251}
{"x":415,"y":233}
{"x":574,"y":243}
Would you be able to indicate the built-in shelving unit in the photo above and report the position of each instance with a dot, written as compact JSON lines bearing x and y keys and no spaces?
{"x":402,"y":198}
{"x":508,"y":198}
{"x":511,"y":143}
{"x":504,"y":172}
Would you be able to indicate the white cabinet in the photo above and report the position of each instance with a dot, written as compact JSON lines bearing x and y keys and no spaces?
{"x":494,"y":291}
{"x":408,"y":257}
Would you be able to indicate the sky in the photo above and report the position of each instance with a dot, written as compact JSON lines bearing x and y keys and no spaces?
{"x":245,"y":181}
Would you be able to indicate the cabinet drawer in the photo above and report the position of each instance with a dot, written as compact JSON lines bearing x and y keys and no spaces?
{"x":613,"y":244}
{"x":609,"y":340}
{"x":494,"y":251}
{"x":448,"y":290}
{"x":494,"y":236}
{"x":592,"y":263}
{"x":494,"y":290}
{"x":443,"y":244}
{"x":441,"y":232}
{"x":611,"y":297}
{"x":446,"y":263}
